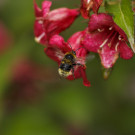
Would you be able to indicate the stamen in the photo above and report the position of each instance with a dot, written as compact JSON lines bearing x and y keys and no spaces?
{"x":100,"y":30}
{"x":37,"y":39}
{"x":105,"y":41}
{"x":116,"y":46}
{"x":119,"y":37}
{"x":89,"y":4}
{"x":110,"y":28}
{"x":40,"y":22}
{"x":88,"y":1}
{"x":110,"y":43}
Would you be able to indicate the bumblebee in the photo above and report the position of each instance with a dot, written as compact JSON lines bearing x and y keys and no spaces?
{"x":69,"y":61}
{"x":67,"y":64}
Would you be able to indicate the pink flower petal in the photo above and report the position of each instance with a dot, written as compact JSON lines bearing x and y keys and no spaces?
{"x":85,"y":80}
{"x":75,"y":40}
{"x":49,"y":23}
{"x":92,"y":41}
{"x":58,"y":42}
{"x":40,"y":35}
{"x":38,"y":11}
{"x":108,"y":56}
{"x":125,"y":51}
{"x":78,"y":73}
{"x":46,"y":8}
{"x":87,"y":5}
{"x":51,"y":53}
{"x":62,"y":14}
{"x":96,"y":5}
{"x":100,"y":21}
{"x":121,"y":32}
{"x":60,"y":19}
{"x":76,"y":43}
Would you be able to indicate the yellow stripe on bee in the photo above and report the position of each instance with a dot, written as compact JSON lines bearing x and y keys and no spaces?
{"x":71,"y":54}
{"x":63,"y":73}
{"x":66,"y":61}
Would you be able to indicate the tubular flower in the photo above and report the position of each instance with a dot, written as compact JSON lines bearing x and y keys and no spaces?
{"x":87,"y":5}
{"x":107,"y":39}
{"x":57,"y":46}
{"x":49,"y":23}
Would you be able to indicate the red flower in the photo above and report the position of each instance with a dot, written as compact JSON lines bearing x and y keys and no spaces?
{"x":57,"y":46}
{"x":49,"y":23}
{"x":106,"y":38}
{"x":87,"y":5}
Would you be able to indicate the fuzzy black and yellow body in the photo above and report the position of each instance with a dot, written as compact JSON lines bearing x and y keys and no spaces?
{"x":67,"y":64}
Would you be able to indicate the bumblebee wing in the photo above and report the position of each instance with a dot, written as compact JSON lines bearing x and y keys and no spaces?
{"x":59,"y":54}
{"x":90,"y":57}
{"x":83,"y":60}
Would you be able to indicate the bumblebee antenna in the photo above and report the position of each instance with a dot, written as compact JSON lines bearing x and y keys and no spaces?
{"x":70,"y":45}
{"x":78,"y":49}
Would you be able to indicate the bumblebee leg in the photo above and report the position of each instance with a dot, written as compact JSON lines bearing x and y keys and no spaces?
{"x":78,"y":64}
{"x":73,"y":72}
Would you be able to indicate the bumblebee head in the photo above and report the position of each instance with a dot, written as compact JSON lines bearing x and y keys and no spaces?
{"x":74,"y":53}
{"x":64,"y":73}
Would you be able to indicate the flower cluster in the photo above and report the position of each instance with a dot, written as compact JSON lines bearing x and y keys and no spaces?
{"x":102,"y":36}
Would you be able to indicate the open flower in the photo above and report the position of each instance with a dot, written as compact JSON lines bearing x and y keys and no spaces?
{"x":106,"y":38}
{"x":49,"y":23}
{"x":87,"y":5}
{"x":57,"y":45}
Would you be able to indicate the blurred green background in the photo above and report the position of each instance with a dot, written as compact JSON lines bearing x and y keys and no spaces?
{"x":35,"y":101}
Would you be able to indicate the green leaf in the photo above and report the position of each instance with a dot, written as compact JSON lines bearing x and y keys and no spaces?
{"x":123,"y":16}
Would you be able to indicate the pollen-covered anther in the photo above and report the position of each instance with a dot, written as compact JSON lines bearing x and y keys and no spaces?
{"x":109,"y":44}
{"x":88,"y":1}
{"x":116,"y":46}
{"x":100,"y":30}
{"x":37,"y":39}
{"x":40,"y":21}
{"x":110,"y":28}
{"x":119,"y":37}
